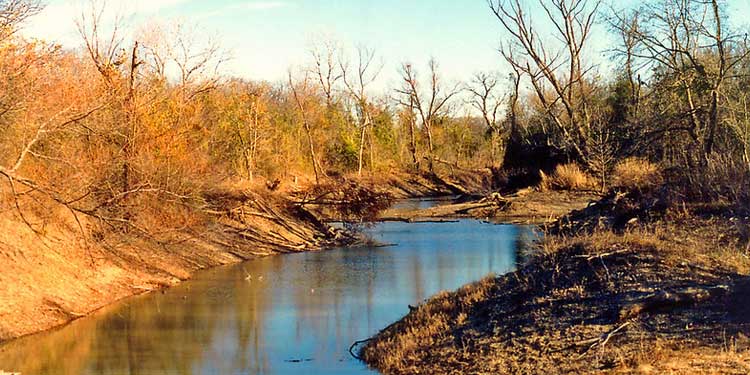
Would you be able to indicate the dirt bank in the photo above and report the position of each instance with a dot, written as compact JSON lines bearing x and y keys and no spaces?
{"x":528,"y":206}
{"x":68,"y":270}
{"x":666,"y":297}
{"x":71,"y":269}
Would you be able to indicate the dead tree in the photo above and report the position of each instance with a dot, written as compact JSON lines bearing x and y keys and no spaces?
{"x":326,"y":69}
{"x":688,"y":42}
{"x":557,"y":74}
{"x":108,"y":56}
{"x":485,"y":99}
{"x":356,"y":83}
{"x":428,"y":106}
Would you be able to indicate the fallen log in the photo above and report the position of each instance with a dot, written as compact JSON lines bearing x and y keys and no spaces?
{"x":667,"y":300}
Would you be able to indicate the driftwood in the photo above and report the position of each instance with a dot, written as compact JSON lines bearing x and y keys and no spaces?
{"x":360,"y":342}
{"x":453,"y":187}
{"x":666,"y":300}
{"x":590,"y":257}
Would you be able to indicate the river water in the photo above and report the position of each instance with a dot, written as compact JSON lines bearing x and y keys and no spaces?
{"x":288,"y":314}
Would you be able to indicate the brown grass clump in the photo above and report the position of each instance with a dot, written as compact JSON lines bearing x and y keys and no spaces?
{"x":567,"y":177}
{"x":425,"y":328}
{"x":636,"y":174}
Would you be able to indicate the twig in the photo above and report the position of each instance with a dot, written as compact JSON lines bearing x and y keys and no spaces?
{"x":355,"y":344}
{"x":602,"y":340}
{"x":602,"y":255}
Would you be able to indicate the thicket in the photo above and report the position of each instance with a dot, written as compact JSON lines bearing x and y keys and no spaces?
{"x":674,"y":111}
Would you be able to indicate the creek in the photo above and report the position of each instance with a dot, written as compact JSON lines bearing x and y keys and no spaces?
{"x":287,"y":314}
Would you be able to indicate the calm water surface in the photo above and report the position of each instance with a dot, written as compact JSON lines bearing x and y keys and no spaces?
{"x":289,"y":314}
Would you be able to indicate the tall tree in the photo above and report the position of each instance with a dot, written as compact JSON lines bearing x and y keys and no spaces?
{"x":300,"y":89}
{"x":688,"y":43}
{"x":484,"y":97}
{"x":428,"y":104}
{"x":558,"y":75}
{"x":366,"y":71}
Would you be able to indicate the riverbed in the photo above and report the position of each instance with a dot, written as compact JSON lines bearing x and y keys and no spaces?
{"x":287,"y":314}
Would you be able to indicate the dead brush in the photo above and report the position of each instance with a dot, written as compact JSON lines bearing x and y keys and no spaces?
{"x":567,"y":177}
{"x":636,"y":174}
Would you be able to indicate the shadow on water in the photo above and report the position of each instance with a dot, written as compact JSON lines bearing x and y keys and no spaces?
{"x":279,"y":315}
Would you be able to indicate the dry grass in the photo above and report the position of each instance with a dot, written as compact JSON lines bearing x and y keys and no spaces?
{"x":533,"y":321}
{"x":636,"y":174}
{"x":665,"y":356}
{"x":724,"y":179}
{"x":425,"y":326}
{"x":710,"y":241}
{"x":567,"y":177}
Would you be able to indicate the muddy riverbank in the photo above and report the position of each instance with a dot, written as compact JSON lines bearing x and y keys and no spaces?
{"x":528,"y":206}
{"x":617,"y":294}
{"x":51,"y":278}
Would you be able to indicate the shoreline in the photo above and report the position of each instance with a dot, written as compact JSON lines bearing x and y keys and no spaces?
{"x":142,"y":267}
{"x":76,"y":286}
{"x":528,"y":206}
{"x":591,"y":301}
{"x":63,"y":276}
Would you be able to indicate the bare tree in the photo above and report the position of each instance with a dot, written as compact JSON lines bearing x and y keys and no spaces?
{"x":428,"y":106}
{"x":484,"y":97}
{"x":365,"y":72}
{"x":13,"y":13}
{"x":738,"y":121}
{"x":626,"y":26}
{"x":103,"y":46}
{"x":108,"y":56}
{"x":198,"y":61}
{"x":558,"y":76}
{"x":255,"y":113}
{"x":17,"y":57}
{"x":326,"y":69}
{"x":688,"y":41}
{"x":300,"y":89}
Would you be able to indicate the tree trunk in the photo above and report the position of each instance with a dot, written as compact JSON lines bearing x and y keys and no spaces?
{"x":413,"y":144}
{"x":312,"y":151}
{"x":428,"y":130}
{"x":362,"y":132}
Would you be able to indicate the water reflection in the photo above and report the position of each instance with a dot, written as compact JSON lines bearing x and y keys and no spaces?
{"x":286,"y":314}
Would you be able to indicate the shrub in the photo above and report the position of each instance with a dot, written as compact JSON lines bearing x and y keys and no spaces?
{"x":567,"y":177}
{"x":636,"y":174}
{"x":724,"y":179}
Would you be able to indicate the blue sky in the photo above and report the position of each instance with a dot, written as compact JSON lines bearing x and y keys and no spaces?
{"x":266,"y":37}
